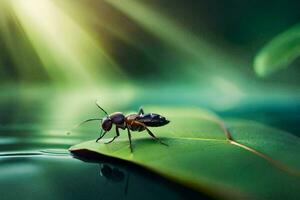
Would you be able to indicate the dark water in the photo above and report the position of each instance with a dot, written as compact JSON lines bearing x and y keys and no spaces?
{"x":29,"y":176}
{"x":35,"y":162}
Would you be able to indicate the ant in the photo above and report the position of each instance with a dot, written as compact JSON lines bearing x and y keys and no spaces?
{"x":132,"y":122}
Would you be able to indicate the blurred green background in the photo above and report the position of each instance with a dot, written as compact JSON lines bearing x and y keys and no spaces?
{"x":57,"y":57}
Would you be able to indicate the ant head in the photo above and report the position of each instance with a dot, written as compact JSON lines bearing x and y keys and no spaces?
{"x":106,"y":124}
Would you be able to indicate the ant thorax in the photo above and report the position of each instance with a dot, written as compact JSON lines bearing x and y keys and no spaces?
{"x":117,"y":118}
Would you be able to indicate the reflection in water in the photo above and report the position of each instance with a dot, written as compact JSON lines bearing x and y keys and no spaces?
{"x":114,"y":174}
{"x":121,"y":180}
{"x":111,"y":173}
{"x":48,"y":152}
{"x":55,"y":152}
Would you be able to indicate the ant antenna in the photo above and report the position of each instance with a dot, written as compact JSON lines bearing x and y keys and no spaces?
{"x":101,"y":107}
{"x":78,"y":125}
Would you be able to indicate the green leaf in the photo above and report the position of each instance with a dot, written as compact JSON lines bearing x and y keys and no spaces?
{"x":279,"y":52}
{"x":251,"y":161}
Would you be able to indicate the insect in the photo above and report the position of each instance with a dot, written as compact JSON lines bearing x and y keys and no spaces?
{"x":133,"y":122}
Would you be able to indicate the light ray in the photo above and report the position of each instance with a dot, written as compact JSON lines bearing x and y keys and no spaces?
{"x":172,"y":33}
{"x":67,"y":51}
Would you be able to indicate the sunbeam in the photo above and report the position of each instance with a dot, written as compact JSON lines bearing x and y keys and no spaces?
{"x":171,"y":32}
{"x":67,"y":51}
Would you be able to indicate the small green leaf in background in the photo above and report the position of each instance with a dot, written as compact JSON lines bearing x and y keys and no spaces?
{"x":279,"y":52}
{"x":259,"y":162}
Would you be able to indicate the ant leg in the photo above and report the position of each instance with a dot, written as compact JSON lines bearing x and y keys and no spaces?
{"x":141,"y":111}
{"x":156,"y":138}
{"x":149,"y":132}
{"x":129,"y":137}
{"x":117,"y":135}
{"x":101,"y":135}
